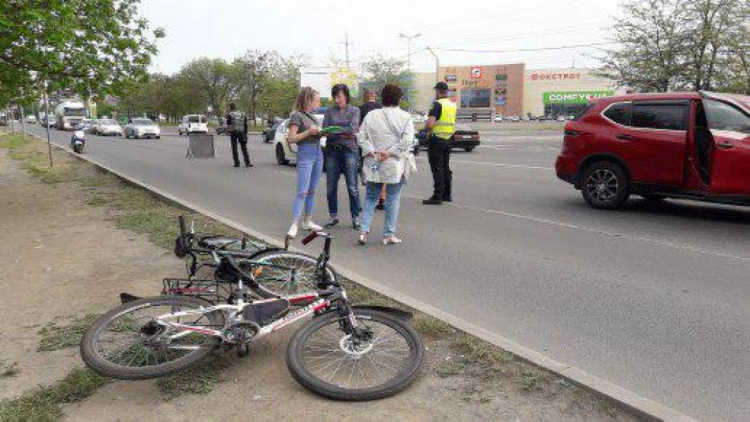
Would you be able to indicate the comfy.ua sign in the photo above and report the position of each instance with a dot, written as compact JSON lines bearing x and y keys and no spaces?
{"x":578,"y":97}
{"x":555,"y":76}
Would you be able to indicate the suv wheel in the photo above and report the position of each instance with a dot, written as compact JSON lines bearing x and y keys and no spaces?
{"x":605,"y":185}
{"x":280,"y":158}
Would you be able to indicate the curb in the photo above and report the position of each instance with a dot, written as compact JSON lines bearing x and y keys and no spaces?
{"x":643,"y":407}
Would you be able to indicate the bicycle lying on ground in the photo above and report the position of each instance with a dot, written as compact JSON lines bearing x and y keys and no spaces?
{"x":345,"y":352}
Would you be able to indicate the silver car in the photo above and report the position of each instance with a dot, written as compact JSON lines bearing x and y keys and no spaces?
{"x":107,"y":127}
{"x":142,"y":128}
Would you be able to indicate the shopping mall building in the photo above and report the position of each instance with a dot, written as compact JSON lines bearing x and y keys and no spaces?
{"x":482,"y":92}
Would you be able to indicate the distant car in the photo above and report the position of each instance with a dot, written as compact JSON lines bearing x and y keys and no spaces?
{"x":417,"y":118}
{"x":49,"y":121}
{"x":561,"y":118}
{"x":142,"y":128}
{"x":84,"y":126}
{"x":269,"y":133}
{"x":465,"y":138}
{"x":498,"y":118}
{"x":193,"y":123}
{"x":514,"y":119}
{"x":682,"y":145}
{"x":108,"y":127}
{"x":525,"y":118}
{"x":31,"y":119}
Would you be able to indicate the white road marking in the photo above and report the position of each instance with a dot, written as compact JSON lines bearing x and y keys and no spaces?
{"x":593,"y":230}
{"x":519,"y":166}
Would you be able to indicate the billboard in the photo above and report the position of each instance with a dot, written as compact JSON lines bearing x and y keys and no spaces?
{"x":574,"y":97}
{"x":322,"y":79}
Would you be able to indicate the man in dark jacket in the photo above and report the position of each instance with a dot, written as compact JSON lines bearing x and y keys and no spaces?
{"x":237,"y":125}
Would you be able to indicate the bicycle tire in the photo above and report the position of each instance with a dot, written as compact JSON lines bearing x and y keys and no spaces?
{"x":269,"y":289}
{"x":102,"y":366}
{"x":405,"y":376}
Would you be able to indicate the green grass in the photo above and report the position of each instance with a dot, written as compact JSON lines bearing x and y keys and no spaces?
{"x":9,"y":370}
{"x":200,"y":379}
{"x":531,"y":380}
{"x":43,"y":403}
{"x":64,"y":336}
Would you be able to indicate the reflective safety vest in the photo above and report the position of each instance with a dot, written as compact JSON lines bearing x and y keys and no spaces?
{"x":237,"y":124}
{"x":445,"y":127}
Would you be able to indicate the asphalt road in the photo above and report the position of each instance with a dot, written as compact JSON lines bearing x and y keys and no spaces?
{"x":653,"y":299}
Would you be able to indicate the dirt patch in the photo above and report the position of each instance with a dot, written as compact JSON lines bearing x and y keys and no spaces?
{"x":68,"y":258}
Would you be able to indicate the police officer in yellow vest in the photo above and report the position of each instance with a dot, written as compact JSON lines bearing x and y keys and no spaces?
{"x":441,"y":125}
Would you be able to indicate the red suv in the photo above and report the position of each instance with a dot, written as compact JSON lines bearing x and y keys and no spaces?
{"x":692,"y":145}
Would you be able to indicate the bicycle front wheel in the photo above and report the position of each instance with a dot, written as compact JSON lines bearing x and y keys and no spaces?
{"x":130,"y":343}
{"x":278,"y":279}
{"x":329,"y":362}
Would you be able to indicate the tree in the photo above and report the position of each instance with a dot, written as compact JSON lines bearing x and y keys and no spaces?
{"x":666,"y":45}
{"x":86,"y":46}
{"x":380,"y":71}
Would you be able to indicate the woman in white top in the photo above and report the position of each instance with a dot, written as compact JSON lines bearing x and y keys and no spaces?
{"x":386,"y":137}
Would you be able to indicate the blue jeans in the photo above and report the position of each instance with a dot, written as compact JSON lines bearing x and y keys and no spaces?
{"x":342,"y":160}
{"x":309,"y":168}
{"x":392,"y":204}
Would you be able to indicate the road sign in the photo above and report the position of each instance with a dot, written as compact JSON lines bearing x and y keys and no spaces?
{"x":476,"y":73}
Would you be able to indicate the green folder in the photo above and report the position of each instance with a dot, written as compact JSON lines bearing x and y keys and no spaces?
{"x":330,"y":129}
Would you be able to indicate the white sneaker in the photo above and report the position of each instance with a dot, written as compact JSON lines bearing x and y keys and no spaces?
{"x":292,"y":233}
{"x":309,"y":225}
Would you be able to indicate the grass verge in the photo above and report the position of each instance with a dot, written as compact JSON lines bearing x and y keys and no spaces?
{"x":135,"y":209}
{"x":56,"y":336}
{"x":44,"y":403}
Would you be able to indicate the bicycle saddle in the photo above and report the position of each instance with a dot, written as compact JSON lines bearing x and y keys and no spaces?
{"x":217,"y":242}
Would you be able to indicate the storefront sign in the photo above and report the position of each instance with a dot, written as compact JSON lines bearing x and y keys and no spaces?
{"x":578,"y":97}
{"x":465,"y":82}
{"x":450,"y":78}
{"x":555,"y":76}
{"x":501,"y":77}
{"x":476,"y":73}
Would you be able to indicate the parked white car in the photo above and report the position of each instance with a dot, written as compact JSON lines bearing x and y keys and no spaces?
{"x":193,"y":123}
{"x":286,"y":153}
{"x":31,"y":119}
{"x":108,"y":127}
{"x":142,"y":128}
{"x":498,"y":118}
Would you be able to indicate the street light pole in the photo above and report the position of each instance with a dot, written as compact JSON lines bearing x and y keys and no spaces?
{"x":437,"y":64}
{"x":408,"y":57}
{"x":46,"y":123}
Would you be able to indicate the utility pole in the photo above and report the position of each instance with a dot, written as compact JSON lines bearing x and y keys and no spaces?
{"x":408,"y":58}
{"x":437,"y":65}
{"x":346,"y":46}
{"x":46,"y":123}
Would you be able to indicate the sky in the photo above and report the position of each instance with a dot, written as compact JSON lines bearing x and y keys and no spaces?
{"x":318,"y":29}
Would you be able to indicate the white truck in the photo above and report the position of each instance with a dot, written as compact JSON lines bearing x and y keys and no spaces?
{"x":69,"y":114}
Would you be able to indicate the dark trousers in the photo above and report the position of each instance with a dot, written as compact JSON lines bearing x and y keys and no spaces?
{"x":242,"y":139}
{"x":342,"y":159}
{"x":439,"y":154}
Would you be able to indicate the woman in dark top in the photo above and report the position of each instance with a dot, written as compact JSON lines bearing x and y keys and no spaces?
{"x":342,"y":153}
{"x":369,"y":97}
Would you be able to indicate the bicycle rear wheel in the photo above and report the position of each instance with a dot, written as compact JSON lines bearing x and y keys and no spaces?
{"x":278,"y":281}
{"x":127,"y":343}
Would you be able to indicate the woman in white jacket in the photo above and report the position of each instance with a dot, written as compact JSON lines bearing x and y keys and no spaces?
{"x":386,"y":137}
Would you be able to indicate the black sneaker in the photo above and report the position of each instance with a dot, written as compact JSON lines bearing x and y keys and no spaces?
{"x":447,"y":199}
{"x":332,"y":223}
{"x":355,"y":224}
{"x":432,"y":201}
{"x":236,"y":164}
{"x":248,"y":164}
